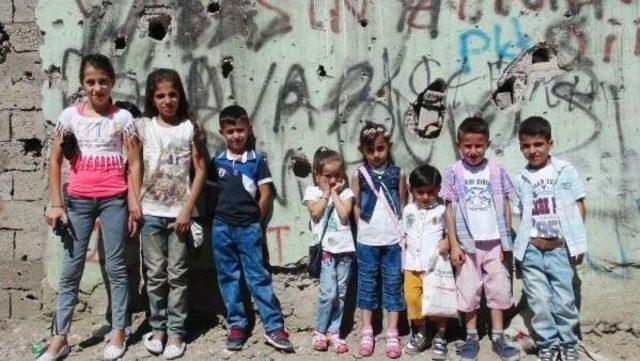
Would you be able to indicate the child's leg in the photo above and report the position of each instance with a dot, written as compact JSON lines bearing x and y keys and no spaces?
{"x":327,"y":293}
{"x":413,"y":298}
{"x":177,"y":298}
{"x":565,"y":312}
{"x":368,"y":258}
{"x":228,"y":269}
{"x":440,"y":324}
{"x":497,"y":285}
{"x":342,"y":268}
{"x":113,"y":219}
{"x":469,"y":288}
{"x":392,"y":297}
{"x":154,"y":236}
{"x":249,"y":244}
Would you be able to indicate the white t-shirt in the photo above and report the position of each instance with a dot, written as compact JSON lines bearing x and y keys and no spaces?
{"x":424,"y":229}
{"x":382,"y":229}
{"x":338,"y":237}
{"x":482,"y":220}
{"x":166,"y":156}
{"x":544,"y":218}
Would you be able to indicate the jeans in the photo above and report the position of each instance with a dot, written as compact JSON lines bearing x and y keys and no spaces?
{"x":82,"y":214}
{"x":237,"y":250}
{"x":547,"y":278}
{"x":372,"y":260}
{"x":334,"y":278}
{"x":165,"y":260}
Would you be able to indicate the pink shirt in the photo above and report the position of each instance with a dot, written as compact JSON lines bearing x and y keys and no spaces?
{"x":98,"y":171}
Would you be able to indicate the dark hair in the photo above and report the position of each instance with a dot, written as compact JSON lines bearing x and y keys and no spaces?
{"x":323,"y":156}
{"x":473,"y":125}
{"x":233,"y":114}
{"x":425,"y":175}
{"x":370,"y":131}
{"x":535,"y":125}
{"x":130,"y":107}
{"x":97,"y":61}
{"x":163,"y":74}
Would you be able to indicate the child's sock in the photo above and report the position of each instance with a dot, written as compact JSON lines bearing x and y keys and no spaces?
{"x":418,"y":327}
{"x":472,"y":334}
{"x":440,"y":332}
{"x":496,"y":334}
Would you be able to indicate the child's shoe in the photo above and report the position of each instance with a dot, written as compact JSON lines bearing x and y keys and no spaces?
{"x":417,"y":343}
{"x":570,"y":353}
{"x":319,"y":341}
{"x":62,"y":353}
{"x":172,"y":352}
{"x":469,"y":350}
{"x":337,"y":344}
{"x":504,"y":350}
{"x":394,"y":344}
{"x":235,"y":339}
{"x":547,"y":354}
{"x":439,"y":348}
{"x":367,"y":342}
{"x":279,"y":339}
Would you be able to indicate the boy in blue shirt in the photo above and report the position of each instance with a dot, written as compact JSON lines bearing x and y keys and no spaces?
{"x":243,"y":189}
{"x":551,"y":238}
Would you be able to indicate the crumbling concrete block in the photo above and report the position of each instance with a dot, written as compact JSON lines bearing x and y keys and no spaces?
{"x":29,"y":246}
{"x":26,"y":304}
{"x":6,"y":245}
{"x":25,"y":155}
{"x":5,"y":305}
{"x":21,"y":275}
{"x":24,"y":36}
{"x":21,"y":215}
{"x":6,"y":186}
{"x":425,"y":117}
{"x":5,"y":126}
{"x":26,"y":125}
{"x":24,"y":10}
{"x":28,"y":186}
{"x":6,"y":11}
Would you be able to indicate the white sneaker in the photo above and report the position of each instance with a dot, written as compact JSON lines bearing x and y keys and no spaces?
{"x":112,"y":352}
{"x":173,"y":352}
{"x":152,"y":345}
{"x":64,"y":351}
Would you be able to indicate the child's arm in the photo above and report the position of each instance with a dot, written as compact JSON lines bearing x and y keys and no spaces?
{"x":402,"y":188}
{"x":343,"y":206}
{"x":263,"y":201}
{"x":582,"y":209}
{"x":443,"y":246}
{"x":56,"y":208}
{"x":134,"y":150}
{"x":355,"y":187}
{"x":457,"y":254}
{"x":183,"y":220}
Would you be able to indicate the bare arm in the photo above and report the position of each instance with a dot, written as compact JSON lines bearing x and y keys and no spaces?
{"x":183,"y":220}
{"x":355,"y":187}
{"x":582,"y":209}
{"x":507,"y":212}
{"x":316,"y":208}
{"x":265,"y":196}
{"x":404,"y":194}
{"x":56,"y":208}
{"x":457,"y":255}
{"x":343,"y":206}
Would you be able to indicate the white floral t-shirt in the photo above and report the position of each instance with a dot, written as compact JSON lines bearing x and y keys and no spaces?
{"x":338,"y":237}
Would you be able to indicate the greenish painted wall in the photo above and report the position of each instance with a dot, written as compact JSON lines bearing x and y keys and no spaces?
{"x":375,"y":57}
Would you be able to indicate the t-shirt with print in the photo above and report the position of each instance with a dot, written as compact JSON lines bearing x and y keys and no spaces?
{"x":424,"y":229}
{"x":482,"y":218}
{"x":338,"y":237}
{"x":166,"y":157}
{"x":237,"y":181}
{"x":383,"y":229}
{"x":545,"y":222}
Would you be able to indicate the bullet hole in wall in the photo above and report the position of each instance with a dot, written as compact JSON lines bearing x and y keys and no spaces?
{"x":158,"y":26}
{"x":120,"y":42}
{"x":227,"y":66}
{"x":540,"y":55}
{"x":321,"y":71}
{"x":32,"y":146}
{"x":300,"y":165}
{"x":214,"y":8}
{"x":364,"y":22}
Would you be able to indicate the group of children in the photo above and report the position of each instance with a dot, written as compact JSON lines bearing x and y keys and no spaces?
{"x":465,"y":214}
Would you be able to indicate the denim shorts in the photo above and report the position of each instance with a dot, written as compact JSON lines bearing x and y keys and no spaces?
{"x":373,"y":260}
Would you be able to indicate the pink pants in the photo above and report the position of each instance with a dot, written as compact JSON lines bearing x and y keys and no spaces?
{"x":483,"y":268}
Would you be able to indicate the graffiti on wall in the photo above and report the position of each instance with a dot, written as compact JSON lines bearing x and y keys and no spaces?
{"x":310,"y":73}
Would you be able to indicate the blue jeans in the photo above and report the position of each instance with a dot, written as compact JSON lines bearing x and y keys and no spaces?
{"x":334,"y":278}
{"x":82,"y":214}
{"x":547,"y":277}
{"x":372,"y":260}
{"x":238,"y":250}
{"x":165,"y":260}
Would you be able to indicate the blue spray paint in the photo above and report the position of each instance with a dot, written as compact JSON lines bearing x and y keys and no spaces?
{"x":506,"y":51}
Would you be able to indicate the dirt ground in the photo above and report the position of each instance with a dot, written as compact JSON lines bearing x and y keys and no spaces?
{"x":297,"y":296}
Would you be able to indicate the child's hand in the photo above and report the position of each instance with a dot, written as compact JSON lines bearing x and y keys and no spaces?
{"x":338,"y":187}
{"x":183,"y":222}
{"x":444,"y":248}
{"x":505,"y":255}
{"x":324,"y":186}
{"x":576,"y":260}
{"x":457,"y":256}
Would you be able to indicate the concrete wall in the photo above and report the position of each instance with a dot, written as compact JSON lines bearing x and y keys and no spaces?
{"x":310,"y":72}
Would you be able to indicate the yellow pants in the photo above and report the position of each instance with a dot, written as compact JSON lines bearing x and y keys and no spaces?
{"x":413,"y":294}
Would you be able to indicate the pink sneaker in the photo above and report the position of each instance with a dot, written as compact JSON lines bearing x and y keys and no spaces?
{"x":394,"y":344}
{"x":367,"y":342}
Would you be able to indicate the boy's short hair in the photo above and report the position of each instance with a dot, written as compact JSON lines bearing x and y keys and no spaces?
{"x":474,"y":125}
{"x":233,"y":114}
{"x":535,"y":125}
{"x":425,"y":175}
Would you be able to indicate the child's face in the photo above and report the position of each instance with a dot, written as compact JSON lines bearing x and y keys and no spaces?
{"x":331,"y":174}
{"x":236,"y":134}
{"x":97,"y":84}
{"x":425,"y":196}
{"x":166,"y":100}
{"x":377,"y":153}
{"x":536,"y":149}
{"x":472,"y":147}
